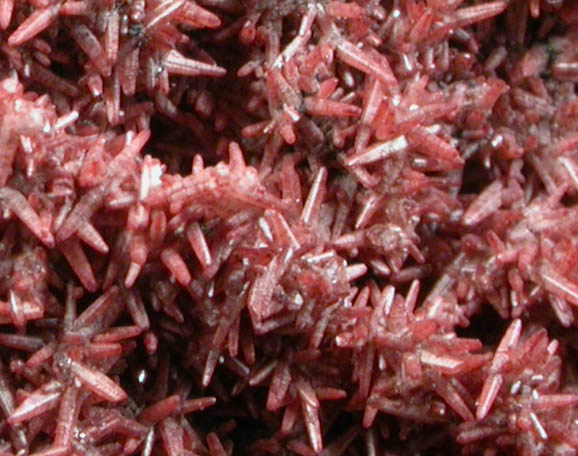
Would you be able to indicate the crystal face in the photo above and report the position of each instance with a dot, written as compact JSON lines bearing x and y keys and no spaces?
{"x":306,"y":227}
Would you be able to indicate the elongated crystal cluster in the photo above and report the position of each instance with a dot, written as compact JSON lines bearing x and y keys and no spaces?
{"x":294,"y":227}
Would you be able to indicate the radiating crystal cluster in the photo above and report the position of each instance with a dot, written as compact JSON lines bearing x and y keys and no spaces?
{"x":294,"y":227}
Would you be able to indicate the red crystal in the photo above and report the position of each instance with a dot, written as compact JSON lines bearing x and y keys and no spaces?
{"x":288,"y":227}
